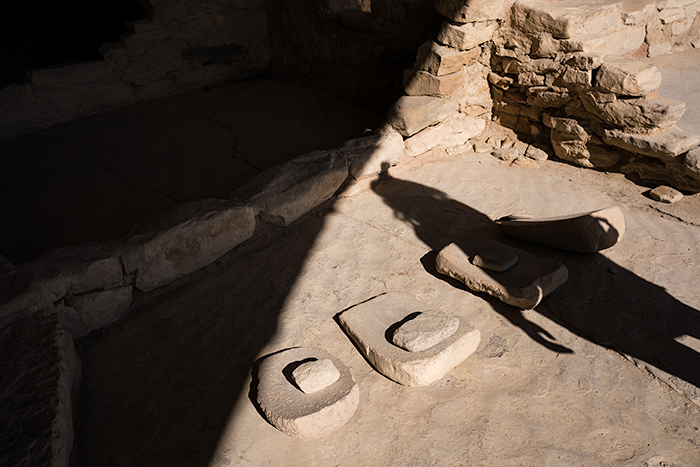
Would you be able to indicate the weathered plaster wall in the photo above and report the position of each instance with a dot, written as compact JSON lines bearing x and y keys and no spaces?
{"x":354,"y":53}
{"x":183,"y":46}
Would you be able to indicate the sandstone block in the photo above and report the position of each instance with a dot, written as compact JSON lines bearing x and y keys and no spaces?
{"x":535,"y":153}
{"x":71,"y":75}
{"x":666,"y":194}
{"x":506,"y":154}
{"x":627,"y":77}
{"x":440,"y":60}
{"x":90,"y":311}
{"x":545,"y":46}
{"x":501,"y":82}
{"x":524,"y":285}
{"x":466,"y":36}
{"x":622,"y":42}
{"x":586,"y":232}
{"x":305,"y":416}
{"x":368,"y":155}
{"x":315,"y":375}
{"x":691,"y":163}
{"x":496,"y":260}
{"x":286,"y":192}
{"x":38,"y":365}
{"x":545,"y":96}
{"x":186,"y":239}
{"x":410,"y":114}
{"x":421,"y":83}
{"x":637,"y":115}
{"x":461,"y":11}
{"x":454,"y":131}
{"x":667,"y":144}
{"x":536,"y":21}
{"x":512,"y":39}
{"x":585,"y":61}
{"x":424,"y":331}
{"x":530,"y":79}
{"x":576,"y":79}
{"x":367,"y":325}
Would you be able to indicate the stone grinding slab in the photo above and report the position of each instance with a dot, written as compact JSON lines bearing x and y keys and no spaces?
{"x":371,"y":323}
{"x":301,"y":415}
{"x":524,"y":285}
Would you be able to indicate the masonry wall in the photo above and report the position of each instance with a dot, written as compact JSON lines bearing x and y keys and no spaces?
{"x":358,"y":52}
{"x":182,"y":46}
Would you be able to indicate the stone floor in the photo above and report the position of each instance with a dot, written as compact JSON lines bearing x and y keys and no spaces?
{"x":605,"y":371}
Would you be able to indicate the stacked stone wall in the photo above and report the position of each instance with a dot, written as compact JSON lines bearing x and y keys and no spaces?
{"x":183,"y":46}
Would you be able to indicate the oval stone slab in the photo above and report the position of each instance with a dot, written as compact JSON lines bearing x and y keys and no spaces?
{"x":315,"y":375}
{"x":426,"y":330}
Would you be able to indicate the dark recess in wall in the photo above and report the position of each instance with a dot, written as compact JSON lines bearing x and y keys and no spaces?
{"x":41,"y":33}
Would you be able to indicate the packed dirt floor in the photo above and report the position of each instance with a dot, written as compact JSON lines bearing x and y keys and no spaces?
{"x":605,"y":371}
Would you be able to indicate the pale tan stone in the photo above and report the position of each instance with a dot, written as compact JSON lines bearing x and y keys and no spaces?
{"x":667,"y":144}
{"x":466,"y":36}
{"x":524,"y":285}
{"x":300,"y":415}
{"x":441,"y":60}
{"x":625,"y":41}
{"x":501,"y":82}
{"x":637,"y":115}
{"x":411,"y":114}
{"x":368,"y":322}
{"x":186,"y":239}
{"x":691,"y":163}
{"x":421,"y":83}
{"x":536,"y":21}
{"x":666,"y":194}
{"x":424,"y":331}
{"x":627,"y":77}
{"x":496,"y":260}
{"x":315,"y":375}
{"x":586,"y":232}
{"x":585,"y":61}
{"x":463,"y":11}
{"x":370,"y":155}
{"x":452,"y":132}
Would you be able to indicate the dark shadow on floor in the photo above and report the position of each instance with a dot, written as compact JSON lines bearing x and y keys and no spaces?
{"x":602,"y":302}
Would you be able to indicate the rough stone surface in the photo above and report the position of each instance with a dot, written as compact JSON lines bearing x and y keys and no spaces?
{"x":664,"y":145}
{"x":286,"y":192}
{"x":466,"y":36}
{"x":305,"y":416}
{"x":691,"y":162}
{"x":637,"y":115}
{"x":188,"y":238}
{"x":496,"y":260}
{"x":627,"y":77}
{"x":367,"y":325}
{"x":424,"y":331}
{"x":440,"y":60}
{"x":315,"y":375}
{"x":38,"y":366}
{"x":410,"y":114}
{"x":524,"y":285}
{"x":537,"y":21}
{"x":421,"y":83}
{"x":452,"y":132}
{"x":86,"y":312}
{"x":506,"y":154}
{"x":461,"y":11}
{"x":586,"y":232}
{"x":370,"y":155}
{"x":666,"y":194}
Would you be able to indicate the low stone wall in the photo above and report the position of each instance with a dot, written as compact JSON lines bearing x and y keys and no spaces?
{"x":184,"y":46}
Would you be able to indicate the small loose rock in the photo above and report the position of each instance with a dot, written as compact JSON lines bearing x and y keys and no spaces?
{"x":425,"y":330}
{"x":496,"y":260}
{"x":315,"y":375}
{"x":666,"y":194}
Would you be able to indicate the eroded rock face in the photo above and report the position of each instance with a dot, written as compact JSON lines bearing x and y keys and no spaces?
{"x":368,"y":156}
{"x":667,"y":144}
{"x":86,"y":312}
{"x":466,"y":36}
{"x":411,"y":114}
{"x":462,"y":11}
{"x":440,"y":60}
{"x":424,"y":331}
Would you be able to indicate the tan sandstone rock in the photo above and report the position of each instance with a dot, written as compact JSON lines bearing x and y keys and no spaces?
{"x":368,"y":323}
{"x":466,"y":36}
{"x":441,"y":60}
{"x":524,"y":285}
{"x":627,"y":77}
{"x":422,"y":83}
{"x":411,"y":114}
{"x":424,"y":331}
{"x":667,"y":144}
{"x":369,"y":155}
{"x":462,"y":11}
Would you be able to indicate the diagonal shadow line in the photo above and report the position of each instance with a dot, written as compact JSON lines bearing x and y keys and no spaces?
{"x":619,"y":310}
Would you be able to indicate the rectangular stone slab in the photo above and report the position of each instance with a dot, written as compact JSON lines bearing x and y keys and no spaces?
{"x":367,"y":326}
{"x":524,"y":285}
